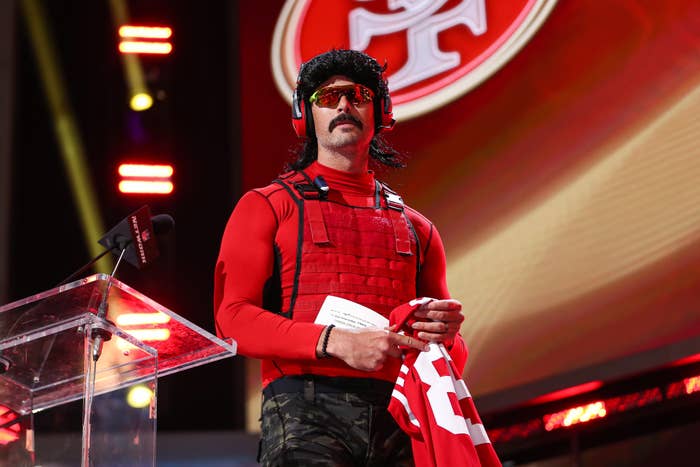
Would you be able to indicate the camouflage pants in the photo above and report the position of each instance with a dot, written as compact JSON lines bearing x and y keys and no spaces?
{"x":311,"y":428}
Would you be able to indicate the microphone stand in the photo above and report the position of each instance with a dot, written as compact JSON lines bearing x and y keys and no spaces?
{"x":97,"y":337}
{"x":83,"y":268}
{"x":100,"y":335}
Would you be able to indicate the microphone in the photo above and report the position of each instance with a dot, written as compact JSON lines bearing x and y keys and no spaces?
{"x":162,"y":223}
{"x":136,"y":231}
{"x":119,"y":237}
{"x":132,"y":239}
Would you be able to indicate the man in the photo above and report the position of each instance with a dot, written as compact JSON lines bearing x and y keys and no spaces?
{"x":329,"y":228}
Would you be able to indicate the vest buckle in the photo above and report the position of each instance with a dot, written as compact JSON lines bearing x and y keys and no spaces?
{"x":393,"y":200}
{"x":318,"y":190}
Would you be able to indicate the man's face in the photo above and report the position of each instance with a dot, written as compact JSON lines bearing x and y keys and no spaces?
{"x":349,"y":121}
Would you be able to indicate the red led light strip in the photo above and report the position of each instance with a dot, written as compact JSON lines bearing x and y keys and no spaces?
{"x":144,"y":327}
{"x":595,"y":410}
{"x":145,"y":40}
{"x":682,"y":388}
{"x":10,"y":433}
{"x":143,"y":47}
{"x":145,"y":32}
{"x":146,"y":179}
{"x":692,"y":384}
{"x":569,"y":417}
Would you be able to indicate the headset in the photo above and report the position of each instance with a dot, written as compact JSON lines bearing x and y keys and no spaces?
{"x":302,"y":118}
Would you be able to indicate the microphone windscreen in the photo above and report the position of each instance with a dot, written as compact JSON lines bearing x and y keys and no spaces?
{"x":162,"y":223}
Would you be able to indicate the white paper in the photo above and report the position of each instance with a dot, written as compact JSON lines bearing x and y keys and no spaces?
{"x":349,"y":315}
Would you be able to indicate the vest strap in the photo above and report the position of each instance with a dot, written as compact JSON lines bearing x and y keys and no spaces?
{"x":398,"y":220}
{"x":313,"y":193}
{"x":319,"y":234}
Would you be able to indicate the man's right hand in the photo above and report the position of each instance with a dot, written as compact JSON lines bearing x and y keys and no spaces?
{"x":368,"y":349}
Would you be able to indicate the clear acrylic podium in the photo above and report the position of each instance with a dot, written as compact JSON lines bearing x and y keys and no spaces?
{"x":47,"y":362}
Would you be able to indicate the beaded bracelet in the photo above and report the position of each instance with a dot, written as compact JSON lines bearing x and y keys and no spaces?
{"x":324,"y":347}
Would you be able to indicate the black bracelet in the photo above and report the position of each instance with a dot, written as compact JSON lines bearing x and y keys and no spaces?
{"x":324,"y":347}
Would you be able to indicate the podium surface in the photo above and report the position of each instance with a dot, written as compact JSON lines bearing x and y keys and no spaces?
{"x":47,"y":342}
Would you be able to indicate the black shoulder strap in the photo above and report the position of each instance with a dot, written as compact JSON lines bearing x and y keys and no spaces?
{"x":399,"y":222}
{"x":308,"y":195}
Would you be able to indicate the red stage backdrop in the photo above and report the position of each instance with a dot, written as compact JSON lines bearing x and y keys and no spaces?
{"x":564,"y":179}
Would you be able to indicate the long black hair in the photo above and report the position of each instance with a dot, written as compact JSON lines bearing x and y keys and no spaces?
{"x":360,"y":68}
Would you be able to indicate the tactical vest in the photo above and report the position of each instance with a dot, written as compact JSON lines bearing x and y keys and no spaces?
{"x":370,"y":255}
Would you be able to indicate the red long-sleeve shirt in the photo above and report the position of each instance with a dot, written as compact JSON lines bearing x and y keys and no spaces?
{"x":269,"y":216}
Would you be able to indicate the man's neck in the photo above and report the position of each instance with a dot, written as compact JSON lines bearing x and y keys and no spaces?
{"x":351,"y":161}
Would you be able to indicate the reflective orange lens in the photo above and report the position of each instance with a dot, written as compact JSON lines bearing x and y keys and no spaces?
{"x":331,"y":95}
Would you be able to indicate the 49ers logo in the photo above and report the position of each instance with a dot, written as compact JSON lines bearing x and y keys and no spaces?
{"x":436,"y":50}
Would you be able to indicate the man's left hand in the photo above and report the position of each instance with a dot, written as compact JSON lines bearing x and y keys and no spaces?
{"x":443,"y":319}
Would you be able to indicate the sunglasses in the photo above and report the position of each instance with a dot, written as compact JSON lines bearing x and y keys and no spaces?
{"x":331,"y":95}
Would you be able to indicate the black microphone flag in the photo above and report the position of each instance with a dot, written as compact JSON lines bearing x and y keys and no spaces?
{"x":137,"y":233}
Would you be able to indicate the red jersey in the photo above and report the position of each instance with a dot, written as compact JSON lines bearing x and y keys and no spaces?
{"x":432,"y":404}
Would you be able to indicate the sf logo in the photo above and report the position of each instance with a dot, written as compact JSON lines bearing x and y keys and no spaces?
{"x":436,"y":50}
{"x":418,"y":18}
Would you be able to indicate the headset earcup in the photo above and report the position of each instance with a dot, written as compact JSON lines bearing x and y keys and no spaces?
{"x":387,"y":115}
{"x":309,"y":119}
{"x":298,"y":115}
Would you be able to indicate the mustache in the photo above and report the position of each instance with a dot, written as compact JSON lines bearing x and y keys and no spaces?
{"x":344,"y":118}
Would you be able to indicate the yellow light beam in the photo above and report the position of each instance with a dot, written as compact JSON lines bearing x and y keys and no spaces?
{"x":133,"y":72}
{"x":67,"y":133}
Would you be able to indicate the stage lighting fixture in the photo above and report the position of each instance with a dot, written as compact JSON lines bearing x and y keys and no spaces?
{"x":141,"y":101}
{"x":146,"y":170}
{"x":683,"y":388}
{"x":146,"y":327}
{"x":575,"y":415}
{"x":150,"y":335}
{"x":143,"y":47}
{"x":11,"y":432}
{"x":146,"y":179}
{"x":139,"y":396}
{"x":678,"y":390}
{"x":143,"y":335}
{"x":145,"y":32}
{"x":146,"y":187}
{"x":138,"y":39}
{"x":139,"y":319}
